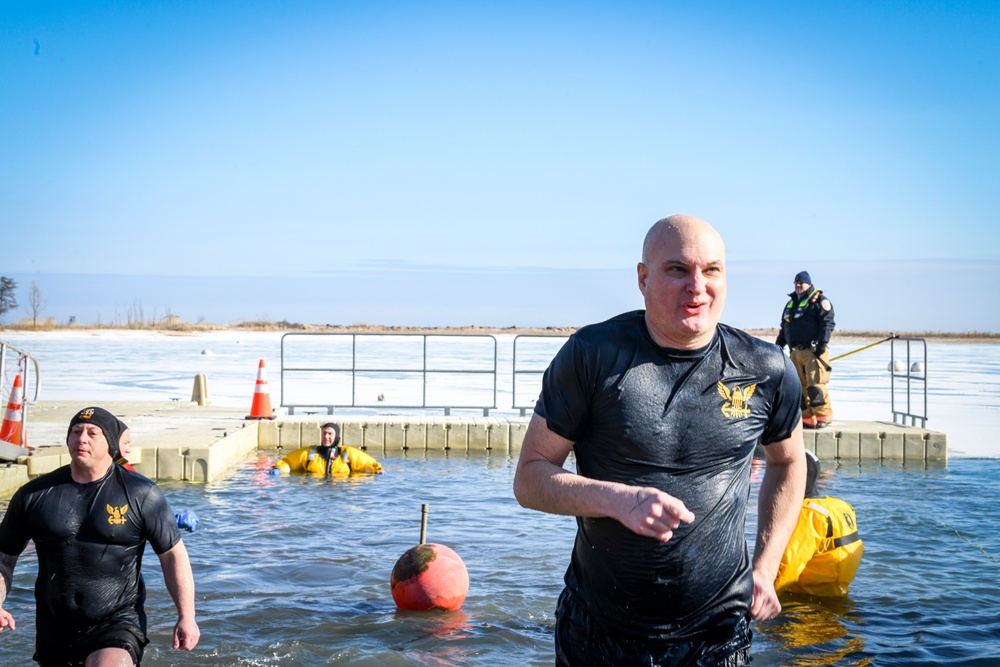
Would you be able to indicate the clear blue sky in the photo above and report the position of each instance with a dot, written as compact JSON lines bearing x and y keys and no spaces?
{"x":268,"y":138}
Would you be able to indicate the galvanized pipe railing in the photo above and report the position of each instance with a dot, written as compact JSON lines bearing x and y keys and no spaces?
{"x":328,"y":368}
{"x":910,"y":373}
{"x":531,"y":356}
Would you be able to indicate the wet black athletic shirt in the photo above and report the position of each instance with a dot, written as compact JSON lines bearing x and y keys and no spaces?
{"x":90,"y":540}
{"x":685,"y":422}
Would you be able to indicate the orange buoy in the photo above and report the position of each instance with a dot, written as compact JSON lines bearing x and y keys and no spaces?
{"x":429,"y":576}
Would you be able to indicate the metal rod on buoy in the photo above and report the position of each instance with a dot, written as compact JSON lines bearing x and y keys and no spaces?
{"x":423,"y":524}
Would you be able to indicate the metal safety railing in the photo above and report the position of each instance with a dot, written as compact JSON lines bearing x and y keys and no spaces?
{"x":531,"y":356}
{"x":379,"y":371}
{"x":18,"y":362}
{"x":21,"y":367}
{"x":908,"y":381}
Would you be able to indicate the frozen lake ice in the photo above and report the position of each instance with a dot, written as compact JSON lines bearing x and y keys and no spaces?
{"x":963,"y":379}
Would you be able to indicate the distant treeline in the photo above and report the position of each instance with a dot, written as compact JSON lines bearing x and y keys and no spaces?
{"x":174,"y":323}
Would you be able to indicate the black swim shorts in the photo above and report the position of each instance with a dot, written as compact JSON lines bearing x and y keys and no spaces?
{"x":580,"y":642}
{"x":74,"y":653}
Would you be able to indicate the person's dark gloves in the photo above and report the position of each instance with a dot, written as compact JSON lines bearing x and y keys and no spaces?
{"x":187,"y":520}
{"x":820,"y":348}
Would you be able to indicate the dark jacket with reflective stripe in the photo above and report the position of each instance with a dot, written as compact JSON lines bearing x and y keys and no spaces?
{"x":807,"y":319}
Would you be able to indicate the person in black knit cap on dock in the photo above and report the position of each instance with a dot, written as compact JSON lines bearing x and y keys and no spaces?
{"x":806,"y":326}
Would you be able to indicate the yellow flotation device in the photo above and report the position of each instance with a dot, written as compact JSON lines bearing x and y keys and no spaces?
{"x":308,"y":460}
{"x":824,"y":552}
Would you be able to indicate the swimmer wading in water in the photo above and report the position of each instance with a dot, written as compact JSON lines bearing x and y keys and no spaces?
{"x":90,"y":522}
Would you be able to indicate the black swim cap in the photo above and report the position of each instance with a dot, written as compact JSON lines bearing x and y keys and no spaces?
{"x":109,"y":424}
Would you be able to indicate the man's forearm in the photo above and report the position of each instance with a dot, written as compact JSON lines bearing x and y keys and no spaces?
{"x":179,"y":579}
{"x":779,"y":503}
{"x":541,"y":483}
{"x":7,"y":563}
{"x":546,"y":487}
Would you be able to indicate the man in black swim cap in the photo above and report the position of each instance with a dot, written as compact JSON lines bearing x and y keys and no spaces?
{"x":89,"y":591}
{"x":807,"y":323}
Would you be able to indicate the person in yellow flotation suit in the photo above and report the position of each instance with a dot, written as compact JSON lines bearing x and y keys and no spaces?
{"x":329,"y":457}
{"x":825,"y":549}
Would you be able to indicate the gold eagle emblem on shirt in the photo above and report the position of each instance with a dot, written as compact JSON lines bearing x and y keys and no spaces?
{"x":736,"y":399}
{"x":116,"y":515}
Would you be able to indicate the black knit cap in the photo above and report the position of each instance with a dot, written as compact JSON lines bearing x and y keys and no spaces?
{"x":803,"y":277}
{"x":109,"y":424}
{"x":812,"y":474}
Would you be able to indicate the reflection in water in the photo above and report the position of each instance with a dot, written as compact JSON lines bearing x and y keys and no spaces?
{"x":441,"y":637}
{"x":812,"y":631}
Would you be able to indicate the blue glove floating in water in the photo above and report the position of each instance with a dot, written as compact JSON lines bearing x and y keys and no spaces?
{"x":275,"y":472}
{"x":187,"y":520}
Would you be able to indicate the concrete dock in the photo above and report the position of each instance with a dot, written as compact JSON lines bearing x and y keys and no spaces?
{"x":190,"y":442}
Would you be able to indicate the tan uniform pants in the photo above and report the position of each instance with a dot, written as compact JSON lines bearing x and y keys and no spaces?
{"x":814,"y":373}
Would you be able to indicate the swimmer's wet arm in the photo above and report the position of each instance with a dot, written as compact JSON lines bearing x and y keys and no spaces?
{"x":779,"y":501}
{"x":778,"y":507}
{"x":541,"y":483}
{"x":7,"y":563}
{"x":177,"y":575}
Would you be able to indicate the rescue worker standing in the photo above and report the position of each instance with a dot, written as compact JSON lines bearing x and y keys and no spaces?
{"x":806,"y":326}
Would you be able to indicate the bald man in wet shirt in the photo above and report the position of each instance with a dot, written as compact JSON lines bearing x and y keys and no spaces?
{"x":663,"y":409}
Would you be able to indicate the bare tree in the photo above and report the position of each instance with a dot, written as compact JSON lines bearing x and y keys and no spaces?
{"x":7,"y":299}
{"x":35,"y":303}
{"x":136,"y":318}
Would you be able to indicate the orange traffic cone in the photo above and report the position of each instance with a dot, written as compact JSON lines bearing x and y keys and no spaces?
{"x":11,"y":429}
{"x":261,"y":408}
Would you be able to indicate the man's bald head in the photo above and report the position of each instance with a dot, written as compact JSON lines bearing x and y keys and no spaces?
{"x":682,"y":277}
{"x":681,"y":228}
